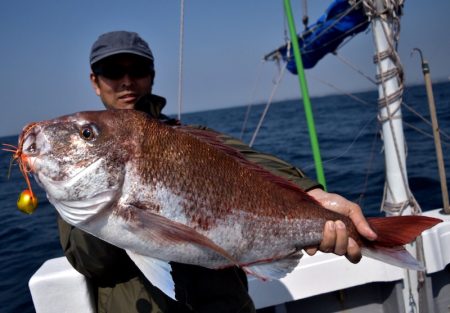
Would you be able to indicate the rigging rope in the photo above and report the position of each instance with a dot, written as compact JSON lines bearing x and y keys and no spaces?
{"x":348,"y":94}
{"x":441,"y":132}
{"x":366,"y":124}
{"x":421,"y":131}
{"x":409,"y":108}
{"x":180,"y":61}
{"x":356,"y":69}
{"x":369,"y":167}
{"x":252,"y":99}
{"x":269,"y":102}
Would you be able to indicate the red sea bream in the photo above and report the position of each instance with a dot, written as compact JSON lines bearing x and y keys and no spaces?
{"x":174,"y":193}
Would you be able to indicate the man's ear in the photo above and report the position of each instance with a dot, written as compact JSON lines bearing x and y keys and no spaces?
{"x":95,"y":83}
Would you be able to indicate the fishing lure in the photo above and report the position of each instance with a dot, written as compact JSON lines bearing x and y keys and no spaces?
{"x":27,"y":201}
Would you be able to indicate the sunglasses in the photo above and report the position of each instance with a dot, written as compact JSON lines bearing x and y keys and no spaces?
{"x":116,"y":72}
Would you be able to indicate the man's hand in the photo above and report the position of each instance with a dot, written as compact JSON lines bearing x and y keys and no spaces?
{"x":335,"y":238}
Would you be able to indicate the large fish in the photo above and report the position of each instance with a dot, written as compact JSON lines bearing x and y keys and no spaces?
{"x":174,"y":193}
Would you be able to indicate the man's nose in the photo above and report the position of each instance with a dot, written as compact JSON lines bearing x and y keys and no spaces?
{"x":127,"y":80}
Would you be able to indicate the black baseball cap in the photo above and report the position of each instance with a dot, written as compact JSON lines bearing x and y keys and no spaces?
{"x":117,"y":42}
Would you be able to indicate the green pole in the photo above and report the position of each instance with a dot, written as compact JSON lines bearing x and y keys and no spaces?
{"x":304,"y":90}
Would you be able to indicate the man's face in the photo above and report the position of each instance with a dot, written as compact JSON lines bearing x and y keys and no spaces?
{"x":121,"y":80}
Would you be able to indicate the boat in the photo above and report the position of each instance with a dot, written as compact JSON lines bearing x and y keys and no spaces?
{"x":325,"y":282}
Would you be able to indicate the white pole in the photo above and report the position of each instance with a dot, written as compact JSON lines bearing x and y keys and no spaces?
{"x":398,"y":198}
{"x":390,"y":114}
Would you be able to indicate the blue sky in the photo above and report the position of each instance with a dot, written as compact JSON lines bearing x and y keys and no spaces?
{"x":45,"y":45}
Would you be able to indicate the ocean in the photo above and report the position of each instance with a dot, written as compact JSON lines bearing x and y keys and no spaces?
{"x":351,"y":150}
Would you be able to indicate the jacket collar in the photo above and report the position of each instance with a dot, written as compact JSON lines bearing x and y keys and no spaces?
{"x":151,"y":104}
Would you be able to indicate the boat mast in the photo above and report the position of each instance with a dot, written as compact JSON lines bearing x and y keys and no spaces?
{"x":398,"y":198}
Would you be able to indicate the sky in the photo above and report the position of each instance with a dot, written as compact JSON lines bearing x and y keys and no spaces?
{"x":44,"y":50}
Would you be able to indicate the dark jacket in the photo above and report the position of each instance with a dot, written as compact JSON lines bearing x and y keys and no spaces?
{"x":118,"y":284}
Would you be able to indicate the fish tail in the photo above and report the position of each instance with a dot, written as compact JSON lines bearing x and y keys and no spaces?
{"x":394,"y":232}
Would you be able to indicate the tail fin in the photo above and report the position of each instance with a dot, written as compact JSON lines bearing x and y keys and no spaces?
{"x":394,"y":232}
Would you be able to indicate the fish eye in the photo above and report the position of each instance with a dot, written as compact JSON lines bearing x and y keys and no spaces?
{"x":87,"y":133}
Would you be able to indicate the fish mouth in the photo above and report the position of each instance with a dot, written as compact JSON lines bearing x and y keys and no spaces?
{"x":33,"y":145}
{"x":28,"y":140}
{"x":33,"y":141}
{"x":29,"y":146}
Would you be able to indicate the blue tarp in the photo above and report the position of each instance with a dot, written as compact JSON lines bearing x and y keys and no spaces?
{"x":338,"y":23}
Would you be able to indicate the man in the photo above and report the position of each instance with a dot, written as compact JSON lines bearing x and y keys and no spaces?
{"x":122,"y":76}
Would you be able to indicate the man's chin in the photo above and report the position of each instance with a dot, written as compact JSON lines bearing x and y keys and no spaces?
{"x":125,"y":105}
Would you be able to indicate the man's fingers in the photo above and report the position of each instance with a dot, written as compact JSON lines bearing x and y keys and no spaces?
{"x":339,"y":204}
{"x":353,"y":251}
{"x":329,"y":237}
{"x":341,"y":244}
{"x":336,"y":240}
{"x":311,"y":250}
{"x":335,"y":237}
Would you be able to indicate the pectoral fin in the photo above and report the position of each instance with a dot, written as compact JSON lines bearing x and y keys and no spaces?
{"x":156,"y":227}
{"x":158,"y":272}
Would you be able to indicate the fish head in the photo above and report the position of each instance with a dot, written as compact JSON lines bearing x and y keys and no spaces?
{"x":79,"y":160}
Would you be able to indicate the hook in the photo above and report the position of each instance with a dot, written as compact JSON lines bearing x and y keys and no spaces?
{"x":420,"y":52}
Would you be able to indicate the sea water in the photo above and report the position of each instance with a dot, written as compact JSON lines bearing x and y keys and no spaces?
{"x":351,"y":149}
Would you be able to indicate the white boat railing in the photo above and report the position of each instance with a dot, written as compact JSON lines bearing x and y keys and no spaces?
{"x":56,"y":287}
